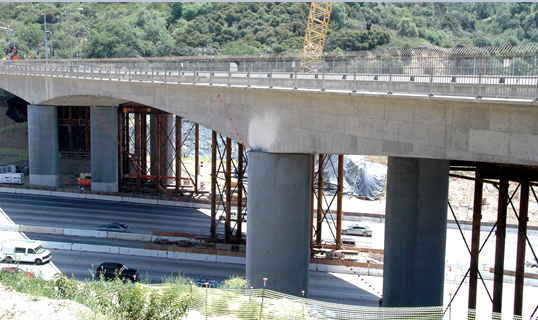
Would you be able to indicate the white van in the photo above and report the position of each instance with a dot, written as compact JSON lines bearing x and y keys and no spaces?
{"x":23,"y":251}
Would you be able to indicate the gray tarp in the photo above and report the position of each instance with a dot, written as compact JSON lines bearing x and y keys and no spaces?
{"x":361,"y":178}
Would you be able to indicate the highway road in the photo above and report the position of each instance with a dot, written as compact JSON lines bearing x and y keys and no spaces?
{"x":87,"y":214}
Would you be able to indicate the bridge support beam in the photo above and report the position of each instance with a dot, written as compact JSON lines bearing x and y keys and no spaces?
{"x":279,"y":191}
{"x":43,"y":146}
{"x":104,"y":148}
{"x":415,"y":232}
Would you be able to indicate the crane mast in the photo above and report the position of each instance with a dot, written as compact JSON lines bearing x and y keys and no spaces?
{"x":316,"y":32}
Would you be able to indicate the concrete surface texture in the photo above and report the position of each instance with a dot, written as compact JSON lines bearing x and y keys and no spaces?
{"x":278,"y":245}
{"x":43,"y":146}
{"x":415,"y":232}
{"x":292,"y":121}
{"x":104,"y":160}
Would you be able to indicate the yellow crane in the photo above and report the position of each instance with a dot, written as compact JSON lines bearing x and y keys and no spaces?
{"x":316,"y":31}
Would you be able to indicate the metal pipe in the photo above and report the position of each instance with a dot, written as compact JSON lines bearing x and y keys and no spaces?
{"x":238,"y":235}
{"x":339,"y":201}
{"x":228,"y":191}
{"x":320,"y":199}
{"x":521,"y":244}
{"x":475,"y":244}
{"x":213,"y":230}
{"x":138,"y":152}
{"x":500,"y":246}
{"x":196,"y":155}
{"x":178,"y":152}
{"x":312,"y":196}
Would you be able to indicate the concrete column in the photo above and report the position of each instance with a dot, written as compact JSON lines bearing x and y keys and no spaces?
{"x":279,"y":193}
{"x":104,"y":133}
{"x":415,"y":232}
{"x":43,"y":146}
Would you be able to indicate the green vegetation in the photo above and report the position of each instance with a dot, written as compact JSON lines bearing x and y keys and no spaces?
{"x":146,"y":29}
{"x":110,"y":299}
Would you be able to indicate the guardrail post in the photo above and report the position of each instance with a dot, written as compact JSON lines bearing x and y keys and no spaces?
{"x":390,"y":82}
{"x":323,"y":80}
{"x":479,"y":86}
{"x":152,"y":74}
{"x":165,"y":74}
{"x":129,"y":76}
{"x":354,"y":81}
{"x":140,"y":74}
{"x":229,"y":76}
{"x":211,"y":75}
{"x":295,"y":87}
{"x":179,"y":74}
{"x":271,"y":81}
{"x":536,"y":99}
{"x":248,"y":77}
{"x":431,"y":85}
{"x":110,"y":73}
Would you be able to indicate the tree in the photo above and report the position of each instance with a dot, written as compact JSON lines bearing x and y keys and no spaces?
{"x":407,"y":28}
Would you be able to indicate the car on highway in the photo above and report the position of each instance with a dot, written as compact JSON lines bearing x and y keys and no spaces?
{"x":114,"y":227}
{"x":358,"y":230}
{"x":113,"y":270}
{"x":210,"y":283}
{"x":532,"y":264}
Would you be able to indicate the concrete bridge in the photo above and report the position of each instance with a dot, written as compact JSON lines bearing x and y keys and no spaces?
{"x":284,"y":118}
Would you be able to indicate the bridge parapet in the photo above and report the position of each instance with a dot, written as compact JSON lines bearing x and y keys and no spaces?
{"x":461,"y":73}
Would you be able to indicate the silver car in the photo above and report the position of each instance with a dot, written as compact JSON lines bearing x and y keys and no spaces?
{"x":358,"y":230}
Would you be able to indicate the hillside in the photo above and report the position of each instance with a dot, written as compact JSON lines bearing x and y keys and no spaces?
{"x":97,"y":30}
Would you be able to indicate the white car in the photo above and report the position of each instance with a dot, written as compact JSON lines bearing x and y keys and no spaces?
{"x":358,"y":230}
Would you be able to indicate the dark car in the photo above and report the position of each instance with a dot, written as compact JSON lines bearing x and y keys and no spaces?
{"x":115,"y":227}
{"x":210,"y":283}
{"x":111,"y":270}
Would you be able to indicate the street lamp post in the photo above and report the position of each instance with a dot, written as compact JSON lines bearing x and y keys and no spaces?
{"x":45,"y":25}
{"x":70,"y":38}
{"x":50,"y":32}
{"x":155,"y":51}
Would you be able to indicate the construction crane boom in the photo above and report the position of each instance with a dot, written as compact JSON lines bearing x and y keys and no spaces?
{"x":316,"y":32}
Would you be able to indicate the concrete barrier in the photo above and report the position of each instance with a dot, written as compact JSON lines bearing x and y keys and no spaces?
{"x":68,"y":195}
{"x":47,"y":230}
{"x":94,"y":248}
{"x":200,"y":257}
{"x":56,"y":245}
{"x":8,"y":190}
{"x":234,"y":260}
{"x":129,"y":236}
{"x":103,"y":197}
{"x":139,"y":200}
{"x":9,"y":227}
{"x":85,"y":233}
{"x":177,"y":255}
{"x":175,"y":203}
{"x":144,"y":252}
{"x":34,"y":192}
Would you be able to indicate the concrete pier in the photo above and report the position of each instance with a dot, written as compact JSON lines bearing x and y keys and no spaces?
{"x":415,"y":232}
{"x":104,"y":148}
{"x":278,"y":239}
{"x":43,"y":146}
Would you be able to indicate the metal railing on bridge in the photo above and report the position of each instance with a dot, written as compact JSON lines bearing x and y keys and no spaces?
{"x":491,"y":72}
